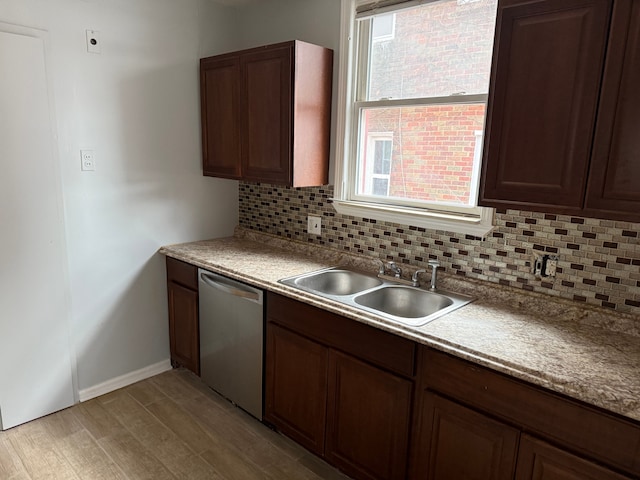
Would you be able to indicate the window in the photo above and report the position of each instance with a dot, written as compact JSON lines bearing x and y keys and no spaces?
{"x":383,"y":27}
{"x":425,"y":87}
{"x":377,"y":166}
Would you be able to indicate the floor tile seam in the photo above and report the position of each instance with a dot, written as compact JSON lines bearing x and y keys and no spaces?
{"x":78,"y":474}
{"x":290,"y":453}
{"x":52,"y":450}
{"x":151,"y":382}
{"x":125,"y":428}
{"x":236,"y":449}
{"x":260,"y":437}
{"x":221,"y":411}
{"x":248,"y":460}
{"x":218,"y":472}
{"x":186,"y":385}
{"x":102,"y":449}
{"x":161,"y":422}
{"x":148,"y":452}
{"x":17,"y":454}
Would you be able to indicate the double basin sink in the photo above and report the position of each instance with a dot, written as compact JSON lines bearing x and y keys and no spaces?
{"x":392,"y":301}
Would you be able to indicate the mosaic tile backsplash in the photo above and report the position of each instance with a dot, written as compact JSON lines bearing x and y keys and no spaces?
{"x":599,"y":260}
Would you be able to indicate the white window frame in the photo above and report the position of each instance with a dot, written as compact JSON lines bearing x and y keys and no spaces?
{"x":372,"y":138}
{"x":389,"y":36}
{"x":476,"y":221}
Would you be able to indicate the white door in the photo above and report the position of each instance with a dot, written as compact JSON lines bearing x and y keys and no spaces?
{"x":35,"y":360}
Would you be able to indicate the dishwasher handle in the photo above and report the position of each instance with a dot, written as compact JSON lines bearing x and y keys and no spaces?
{"x":234,"y":289}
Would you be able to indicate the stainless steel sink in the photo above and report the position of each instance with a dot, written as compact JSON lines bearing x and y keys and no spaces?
{"x":336,"y":282}
{"x":403,"y":301}
{"x":390,"y":300}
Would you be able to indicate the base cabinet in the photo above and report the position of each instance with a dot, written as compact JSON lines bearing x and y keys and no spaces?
{"x":378,"y":407}
{"x":462,"y":443}
{"x":296,"y":387}
{"x":368,"y":419}
{"x":538,"y":460}
{"x":350,"y":411}
{"x":474,"y":423}
{"x":182,"y":292}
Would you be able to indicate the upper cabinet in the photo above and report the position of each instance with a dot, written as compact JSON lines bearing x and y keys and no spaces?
{"x":613,"y":188}
{"x":563,"y":109}
{"x":266,"y":114}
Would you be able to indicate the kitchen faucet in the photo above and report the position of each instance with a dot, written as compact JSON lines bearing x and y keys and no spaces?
{"x":434,"y":264}
{"x":397,"y":271}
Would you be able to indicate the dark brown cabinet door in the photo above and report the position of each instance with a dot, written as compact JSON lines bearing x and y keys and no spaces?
{"x":540,"y":461}
{"x":184,"y":332}
{"x":547,"y":67}
{"x":368,"y":419}
{"x":296,"y":387}
{"x":266,"y":120}
{"x":460,"y":443}
{"x":219,"y":96}
{"x":614,"y":182}
{"x":183,"y":327}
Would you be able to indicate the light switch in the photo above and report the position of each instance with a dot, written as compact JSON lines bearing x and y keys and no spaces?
{"x":314,"y":225}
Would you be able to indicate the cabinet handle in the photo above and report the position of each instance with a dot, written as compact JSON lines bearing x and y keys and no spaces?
{"x":232,"y":290}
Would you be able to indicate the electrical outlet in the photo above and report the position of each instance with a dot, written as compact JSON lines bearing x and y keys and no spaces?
{"x":545,"y":265}
{"x":314,"y":225}
{"x":88,"y":161}
{"x":551,"y":266}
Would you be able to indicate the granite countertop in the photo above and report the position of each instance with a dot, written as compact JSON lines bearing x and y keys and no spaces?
{"x":584,"y":352}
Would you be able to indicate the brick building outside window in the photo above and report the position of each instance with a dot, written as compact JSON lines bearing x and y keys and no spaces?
{"x":428,"y":150}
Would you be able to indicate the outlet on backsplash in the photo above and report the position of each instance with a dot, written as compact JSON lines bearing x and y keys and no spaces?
{"x":545,"y":265}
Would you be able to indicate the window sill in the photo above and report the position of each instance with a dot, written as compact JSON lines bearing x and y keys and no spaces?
{"x":476,"y":226}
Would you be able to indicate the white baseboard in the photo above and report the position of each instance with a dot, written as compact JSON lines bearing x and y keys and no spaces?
{"x":124,"y":380}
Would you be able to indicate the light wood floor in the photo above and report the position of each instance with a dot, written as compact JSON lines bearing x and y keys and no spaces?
{"x":167,"y":427}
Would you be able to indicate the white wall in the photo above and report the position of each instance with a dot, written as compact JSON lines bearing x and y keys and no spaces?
{"x":136,"y":104}
{"x":313,"y":21}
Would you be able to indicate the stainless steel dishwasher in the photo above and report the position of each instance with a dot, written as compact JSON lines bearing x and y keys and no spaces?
{"x":231,"y":339}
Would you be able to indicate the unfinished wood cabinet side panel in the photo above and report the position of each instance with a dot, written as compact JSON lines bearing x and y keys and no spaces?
{"x":312,"y":114}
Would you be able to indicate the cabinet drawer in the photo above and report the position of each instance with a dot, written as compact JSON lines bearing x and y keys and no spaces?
{"x":378,"y":347}
{"x":539,"y":460}
{"x":586,"y":430}
{"x":183,"y":273}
